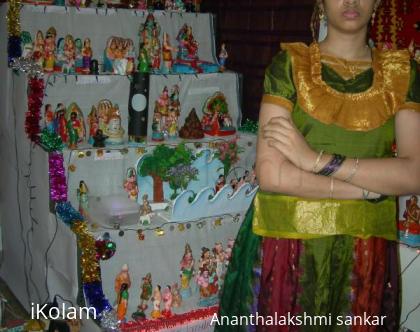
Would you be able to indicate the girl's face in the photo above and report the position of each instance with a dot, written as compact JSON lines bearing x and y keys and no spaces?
{"x":348,"y":16}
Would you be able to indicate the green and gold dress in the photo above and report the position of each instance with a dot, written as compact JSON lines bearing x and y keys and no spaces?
{"x":321,"y":264}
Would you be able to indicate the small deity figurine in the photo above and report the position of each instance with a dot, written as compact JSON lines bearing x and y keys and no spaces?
{"x":69,"y":55}
{"x":123,"y":277}
{"x":144,"y":62}
{"x":114,"y":130}
{"x":157,"y":132}
{"x":60,"y":57}
{"x":223,"y":55}
{"x":412,"y":211}
{"x":49,"y":49}
{"x":99,"y":139}
{"x":60,"y":122}
{"x":93,"y":124}
{"x":188,"y":46}
{"x":49,"y":118}
{"x":186,"y":272}
{"x":145,"y":211}
{"x":149,"y":37}
{"x":83,"y":197}
{"x":167,"y":54}
{"x":172,"y":124}
{"x":157,"y":299}
{"x":86,"y":56}
{"x":206,"y":260}
{"x":130,"y":184}
{"x":167,"y":302}
{"x":146,"y":290}
{"x":176,"y":296}
{"x":109,"y":55}
{"x":75,"y":125}
{"x":155,"y":50}
{"x":120,"y":62}
{"x":219,"y":255}
{"x":146,"y":293}
{"x":122,"y":302}
{"x":78,"y":63}
{"x":175,"y":105}
{"x":129,"y":55}
{"x":38,"y":53}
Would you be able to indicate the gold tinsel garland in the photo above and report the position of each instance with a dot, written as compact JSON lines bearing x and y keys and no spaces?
{"x":88,"y":261}
{"x":13,"y":18}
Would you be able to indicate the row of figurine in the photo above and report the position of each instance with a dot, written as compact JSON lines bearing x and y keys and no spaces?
{"x":67,"y":54}
{"x":70,"y":55}
{"x":105,"y":128}
{"x":208,"y":275}
{"x":68,"y":123}
{"x":169,"y":5}
{"x":216,"y":120}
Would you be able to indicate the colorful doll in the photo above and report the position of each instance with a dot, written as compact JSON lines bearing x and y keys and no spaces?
{"x":145,"y":211}
{"x":60,"y":122}
{"x":130,"y":184}
{"x":172,"y":127}
{"x":144,"y":62}
{"x":167,"y":302}
{"x":167,"y":54}
{"x":86,"y":56}
{"x":220,"y":183}
{"x":155,"y":50}
{"x":49,"y":118}
{"x":146,"y":290}
{"x":157,"y":299}
{"x":69,"y":55}
{"x":123,"y":277}
{"x":129,"y":55}
{"x":219,"y":255}
{"x":78,"y":63}
{"x":122,"y":302}
{"x":38,"y":53}
{"x":83,"y":197}
{"x":49,"y":50}
{"x":109,"y":55}
{"x":186,"y":271}
{"x":75,"y":125}
{"x":179,"y":5}
{"x":93,"y":124}
{"x":114,"y":130}
{"x":223,"y":55}
{"x":157,"y":132}
{"x":176,"y":296}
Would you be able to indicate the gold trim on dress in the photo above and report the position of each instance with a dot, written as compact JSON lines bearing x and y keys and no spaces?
{"x":277,"y":100}
{"x":360,"y":111}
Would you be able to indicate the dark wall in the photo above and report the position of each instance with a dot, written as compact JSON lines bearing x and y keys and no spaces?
{"x":252,"y":31}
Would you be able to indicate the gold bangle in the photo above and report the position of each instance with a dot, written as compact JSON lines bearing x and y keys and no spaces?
{"x":318,"y":159}
{"x":353,"y":171}
{"x":331,"y":187}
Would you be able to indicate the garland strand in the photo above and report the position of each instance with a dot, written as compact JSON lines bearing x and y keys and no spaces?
{"x":14,"y":49}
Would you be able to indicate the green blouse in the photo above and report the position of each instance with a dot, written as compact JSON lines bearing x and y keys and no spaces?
{"x":353,"y":117}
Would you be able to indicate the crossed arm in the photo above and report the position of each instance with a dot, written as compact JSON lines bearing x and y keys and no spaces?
{"x":285,"y":161}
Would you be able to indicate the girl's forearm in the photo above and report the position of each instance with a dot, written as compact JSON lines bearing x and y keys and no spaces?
{"x":290,"y":180}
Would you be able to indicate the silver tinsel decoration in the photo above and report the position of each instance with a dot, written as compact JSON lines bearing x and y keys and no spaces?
{"x":27,"y":66}
{"x":109,"y":321}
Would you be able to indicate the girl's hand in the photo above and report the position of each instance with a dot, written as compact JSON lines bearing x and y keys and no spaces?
{"x":282,"y":135}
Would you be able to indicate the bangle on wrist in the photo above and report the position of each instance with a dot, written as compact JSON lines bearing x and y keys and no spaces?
{"x":333,"y":165}
{"x":318,"y":159}
{"x":353,"y":171}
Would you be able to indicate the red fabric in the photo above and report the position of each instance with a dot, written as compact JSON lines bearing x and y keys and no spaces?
{"x":279,"y":281}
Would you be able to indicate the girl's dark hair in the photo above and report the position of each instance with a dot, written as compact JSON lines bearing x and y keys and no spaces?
{"x":315,"y":22}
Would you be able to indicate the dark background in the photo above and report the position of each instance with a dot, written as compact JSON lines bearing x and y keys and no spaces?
{"x":252,"y":31}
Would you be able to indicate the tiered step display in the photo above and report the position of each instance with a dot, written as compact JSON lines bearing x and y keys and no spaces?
{"x":166,"y":207}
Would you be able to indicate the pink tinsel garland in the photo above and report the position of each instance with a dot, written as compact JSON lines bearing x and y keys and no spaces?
{"x":58,"y":185}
